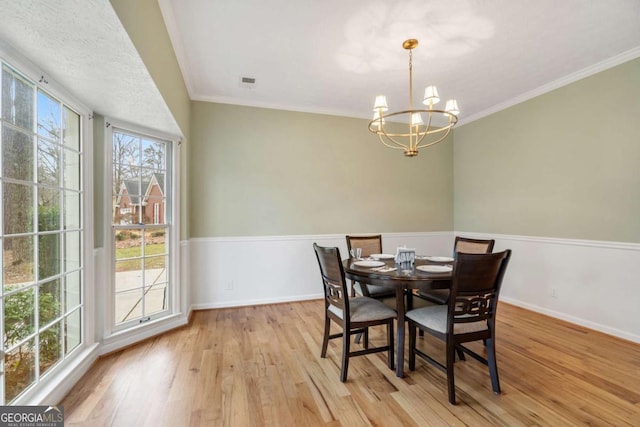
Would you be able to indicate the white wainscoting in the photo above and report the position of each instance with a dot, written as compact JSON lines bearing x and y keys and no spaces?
{"x":237,"y":271}
{"x":595,"y":284}
{"x":185,"y":284}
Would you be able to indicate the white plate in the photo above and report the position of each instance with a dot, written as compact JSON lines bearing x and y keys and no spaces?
{"x":439,"y":258}
{"x":382,"y":256}
{"x":369,"y":263}
{"x":435,"y":268}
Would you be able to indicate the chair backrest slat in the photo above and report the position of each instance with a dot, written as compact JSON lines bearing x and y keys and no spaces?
{"x":369,"y":244}
{"x":334,"y":283}
{"x":473,"y":308}
{"x":472,"y":246}
{"x":476,"y":283}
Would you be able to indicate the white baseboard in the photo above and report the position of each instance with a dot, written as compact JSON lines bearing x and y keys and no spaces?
{"x":575,"y":320}
{"x":247,"y":302}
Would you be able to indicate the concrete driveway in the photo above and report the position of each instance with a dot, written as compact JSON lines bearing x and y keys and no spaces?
{"x":130,"y":293}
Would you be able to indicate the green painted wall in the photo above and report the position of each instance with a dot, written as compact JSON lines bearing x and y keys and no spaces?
{"x":257,"y":171}
{"x":565,"y":164}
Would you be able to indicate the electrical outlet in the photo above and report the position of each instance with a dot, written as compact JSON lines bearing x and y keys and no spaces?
{"x":229,"y":286}
{"x":554,"y":293}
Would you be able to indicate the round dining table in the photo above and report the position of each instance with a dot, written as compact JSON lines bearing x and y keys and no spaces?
{"x":405,"y":278}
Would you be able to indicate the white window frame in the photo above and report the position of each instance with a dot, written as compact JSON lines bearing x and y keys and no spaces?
{"x":156,"y":213}
{"x":116,"y":336}
{"x":88,"y":348}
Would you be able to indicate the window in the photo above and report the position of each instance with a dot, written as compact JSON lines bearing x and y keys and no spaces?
{"x":41,"y":232}
{"x":141,"y":227}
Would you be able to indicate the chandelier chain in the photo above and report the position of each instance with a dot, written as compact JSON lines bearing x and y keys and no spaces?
{"x":411,"y":79}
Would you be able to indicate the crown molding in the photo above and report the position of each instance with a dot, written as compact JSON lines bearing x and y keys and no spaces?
{"x":176,"y":41}
{"x":556,"y":84}
{"x":274,"y":106}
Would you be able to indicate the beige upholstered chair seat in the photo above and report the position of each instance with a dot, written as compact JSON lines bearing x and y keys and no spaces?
{"x":365,"y":309}
{"x":435,"y":317}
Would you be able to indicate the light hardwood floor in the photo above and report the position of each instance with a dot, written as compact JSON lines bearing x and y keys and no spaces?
{"x":261,"y":365}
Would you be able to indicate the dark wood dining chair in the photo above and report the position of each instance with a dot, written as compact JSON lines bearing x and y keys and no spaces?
{"x":470,"y":315}
{"x":370,"y":245}
{"x":465,"y":245}
{"x":354,"y":315}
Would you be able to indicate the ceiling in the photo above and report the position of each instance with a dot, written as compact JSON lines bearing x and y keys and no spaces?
{"x":325,"y":56}
{"x":81,"y":45}
{"x":335,"y":56}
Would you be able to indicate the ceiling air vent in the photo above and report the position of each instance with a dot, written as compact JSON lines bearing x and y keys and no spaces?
{"x":247,"y":82}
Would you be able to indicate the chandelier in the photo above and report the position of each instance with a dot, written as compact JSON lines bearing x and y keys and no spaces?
{"x":412,"y":133}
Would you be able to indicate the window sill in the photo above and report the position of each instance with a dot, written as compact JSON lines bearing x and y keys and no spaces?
{"x":54,"y":388}
{"x":120,"y":339}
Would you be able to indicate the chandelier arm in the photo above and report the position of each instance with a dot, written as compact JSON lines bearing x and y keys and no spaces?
{"x":453,"y":117}
{"x":421,"y":137}
{"x":399,"y":144}
{"x":438,"y":130}
{"x":446,"y":129}
{"x":437,"y":141}
{"x":396,"y":134}
{"x":426,"y":132}
{"x":421,"y":133}
{"x":413,"y":138}
{"x":390,"y":146}
{"x":389,"y":135}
